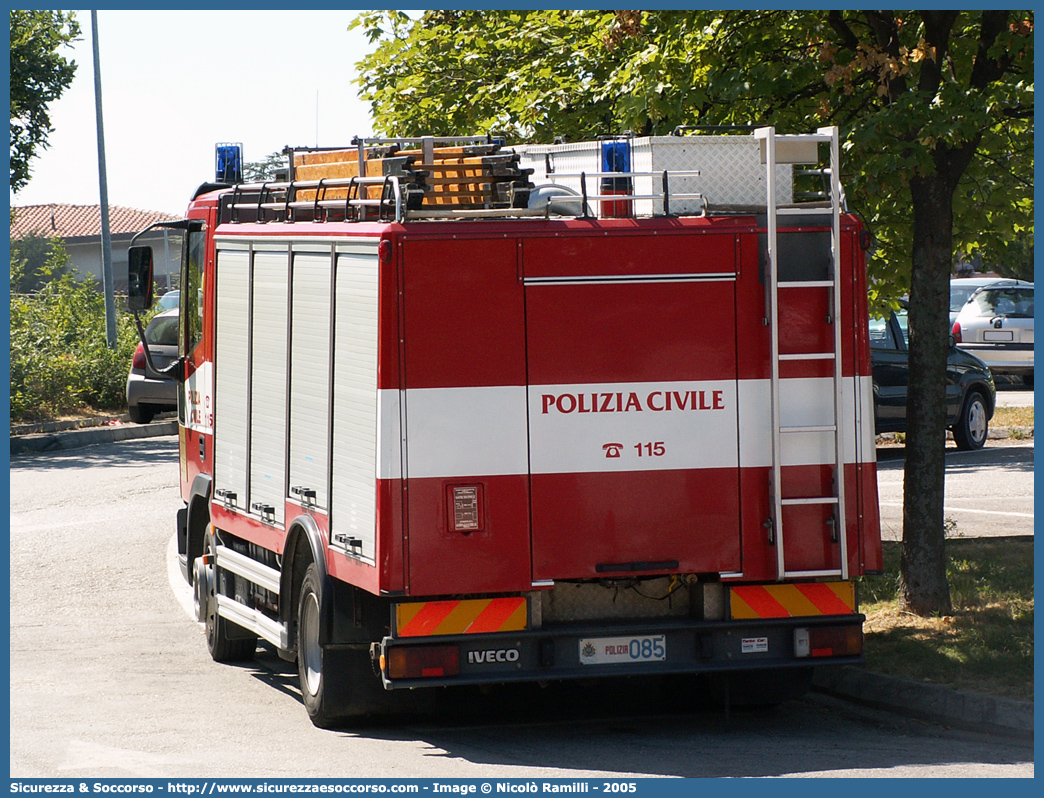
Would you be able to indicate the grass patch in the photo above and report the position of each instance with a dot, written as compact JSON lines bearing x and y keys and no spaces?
{"x":1012,"y":417}
{"x":986,"y":645}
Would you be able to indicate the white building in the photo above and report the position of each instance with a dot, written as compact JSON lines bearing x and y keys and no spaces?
{"x":79,"y":227}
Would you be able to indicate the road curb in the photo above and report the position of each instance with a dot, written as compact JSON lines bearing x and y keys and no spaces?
{"x":931,"y":702}
{"x":72,"y":439}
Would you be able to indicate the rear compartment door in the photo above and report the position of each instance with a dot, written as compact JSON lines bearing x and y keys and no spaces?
{"x":465,"y":407}
{"x":632,"y":399}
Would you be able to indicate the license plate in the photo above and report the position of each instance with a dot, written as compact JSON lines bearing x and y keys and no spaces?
{"x":616,"y":650}
{"x":998,"y":335}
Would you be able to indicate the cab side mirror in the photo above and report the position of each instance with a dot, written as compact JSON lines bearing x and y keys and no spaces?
{"x":139,"y":278}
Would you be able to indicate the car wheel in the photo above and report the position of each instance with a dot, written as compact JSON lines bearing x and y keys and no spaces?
{"x":973,"y":425}
{"x":141,"y":414}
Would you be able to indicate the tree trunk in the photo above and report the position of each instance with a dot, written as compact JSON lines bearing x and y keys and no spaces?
{"x":923,"y":588}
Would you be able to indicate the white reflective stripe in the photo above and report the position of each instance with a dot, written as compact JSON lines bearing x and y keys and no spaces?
{"x":805,"y":403}
{"x":389,"y":435}
{"x":660,"y":426}
{"x":866,"y":452}
{"x":459,"y":432}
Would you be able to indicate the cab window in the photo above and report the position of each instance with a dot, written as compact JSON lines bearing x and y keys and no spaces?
{"x":192,"y":292}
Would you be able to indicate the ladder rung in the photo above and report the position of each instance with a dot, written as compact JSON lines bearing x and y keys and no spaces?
{"x":825,"y":428}
{"x":810,"y":500}
{"x":810,"y":574}
{"x":819,"y":138}
{"x":809,"y":356}
{"x":806,"y":284}
{"x":804,"y":211}
{"x":762,"y":133}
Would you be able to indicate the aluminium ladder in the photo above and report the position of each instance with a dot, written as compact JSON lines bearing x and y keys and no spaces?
{"x":803,"y":149}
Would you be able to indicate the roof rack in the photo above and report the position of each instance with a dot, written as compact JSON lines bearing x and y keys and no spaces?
{"x":628,"y":195}
{"x":280,"y":199}
{"x":477,"y":177}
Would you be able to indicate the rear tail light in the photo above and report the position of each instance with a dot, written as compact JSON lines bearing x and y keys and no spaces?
{"x":138,"y":362}
{"x":828,"y":641}
{"x":420,"y":662}
{"x":956,"y":331}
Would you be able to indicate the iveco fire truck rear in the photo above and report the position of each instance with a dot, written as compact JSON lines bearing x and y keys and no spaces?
{"x":454,"y":413}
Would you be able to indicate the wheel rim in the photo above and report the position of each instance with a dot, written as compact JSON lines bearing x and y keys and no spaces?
{"x":211,"y":606}
{"x":311,"y":653}
{"x":208,"y":594}
{"x":977,"y":421}
{"x":199,"y":592}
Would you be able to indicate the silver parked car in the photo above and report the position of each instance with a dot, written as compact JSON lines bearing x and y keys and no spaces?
{"x":996,"y":325}
{"x":961,"y":289}
{"x":149,"y":393}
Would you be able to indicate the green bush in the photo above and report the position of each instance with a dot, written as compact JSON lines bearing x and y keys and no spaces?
{"x":60,"y":361}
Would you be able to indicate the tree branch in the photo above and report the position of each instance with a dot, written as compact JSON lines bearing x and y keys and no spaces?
{"x":1018,"y":112}
{"x":986,"y":70}
{"x":837,"y":22}
{"x":937,"y":28}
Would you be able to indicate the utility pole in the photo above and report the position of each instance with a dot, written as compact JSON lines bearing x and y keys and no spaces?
{"x":106,"y":243}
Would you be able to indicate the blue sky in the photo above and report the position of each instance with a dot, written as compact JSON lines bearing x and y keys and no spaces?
{"x":174,"y":83}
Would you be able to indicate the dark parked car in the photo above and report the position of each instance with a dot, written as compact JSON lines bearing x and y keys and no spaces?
{"x":149,"y":393}
{"x":970,"y":393}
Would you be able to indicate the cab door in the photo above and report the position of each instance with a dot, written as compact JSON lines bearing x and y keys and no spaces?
{"x":195,"y":347}
{"x":466,"y":463}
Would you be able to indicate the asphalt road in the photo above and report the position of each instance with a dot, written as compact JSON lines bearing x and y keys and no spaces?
{"x":1012,"y":396}
{"x":110,"y":677}
{"x":989,"y":492}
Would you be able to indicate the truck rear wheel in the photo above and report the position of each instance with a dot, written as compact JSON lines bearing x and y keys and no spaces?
{"x":226,"y":641}
{"x":337,"y":683}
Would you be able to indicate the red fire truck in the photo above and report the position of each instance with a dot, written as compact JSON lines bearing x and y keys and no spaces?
{"x":455,"y":413}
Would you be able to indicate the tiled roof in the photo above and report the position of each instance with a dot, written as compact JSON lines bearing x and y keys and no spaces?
{"x":79,"y":221}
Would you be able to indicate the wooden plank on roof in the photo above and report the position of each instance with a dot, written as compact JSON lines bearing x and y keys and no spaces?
{"x":325,"y":156}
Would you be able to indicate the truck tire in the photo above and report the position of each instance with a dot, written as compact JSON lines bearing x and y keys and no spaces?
{"x":972,"y":426}
{"x":337,"y":682}
{"x":226,"y":641}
